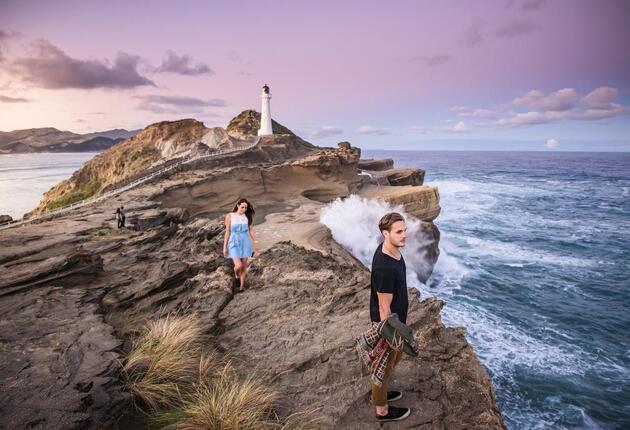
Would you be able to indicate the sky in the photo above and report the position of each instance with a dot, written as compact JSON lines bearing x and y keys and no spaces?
{"x":548,"y":75}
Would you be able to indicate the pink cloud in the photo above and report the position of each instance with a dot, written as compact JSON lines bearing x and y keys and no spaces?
{"x":601,"y":98}
{"x":560,"y":100}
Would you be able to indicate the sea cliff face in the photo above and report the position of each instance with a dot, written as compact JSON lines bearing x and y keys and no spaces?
{"x":74,"y":289}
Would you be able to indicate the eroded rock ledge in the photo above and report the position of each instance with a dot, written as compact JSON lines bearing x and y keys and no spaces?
{"x":73,"y":289}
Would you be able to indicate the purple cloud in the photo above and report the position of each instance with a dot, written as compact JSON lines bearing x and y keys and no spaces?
{"x":525,"y":118}
{"x":326,"y":131}
{"x":560,"y":100}
{"x":50,"y":67}
{"x":417,"y":129}
{"x":3,"y":36}
{"x":435,"y":60}
{"x":479,"y":113}
{"x":183,"y":65}
{"x":473,"y":35}
{"x":561,"y":105}
{"x":176,"y":104}
{"x":601,"y":98}
{"x":516,"y":28}
{"x":7,"y":99}
{"x":374,"y":131}
{"x":532,"y":4}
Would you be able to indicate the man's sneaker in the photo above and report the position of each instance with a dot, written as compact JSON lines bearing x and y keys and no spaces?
{"x":392,"y":396}
{"x":394,"y":414}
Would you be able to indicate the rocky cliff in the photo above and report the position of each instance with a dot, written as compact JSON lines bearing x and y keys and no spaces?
{"x":157,"y":143}
{"x":73,"y":291}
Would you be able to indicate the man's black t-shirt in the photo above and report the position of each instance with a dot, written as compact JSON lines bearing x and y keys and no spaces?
{"x":389,"y":276}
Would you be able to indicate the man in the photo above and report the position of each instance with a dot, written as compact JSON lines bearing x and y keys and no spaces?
{"x":389,"y":295}
{"x":118,"y":217}
{"x":122,"y":216}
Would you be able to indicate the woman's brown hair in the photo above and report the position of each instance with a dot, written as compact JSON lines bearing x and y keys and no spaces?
{"x":249,"y":212}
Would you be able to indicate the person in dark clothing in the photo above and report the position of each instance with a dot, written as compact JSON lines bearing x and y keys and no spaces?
{"x":118,"y":218}
{"x":122,"y":216}
{"x":389,"y":295}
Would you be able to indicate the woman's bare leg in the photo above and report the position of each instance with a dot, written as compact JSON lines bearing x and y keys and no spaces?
{"x":238,"y":266}
{"x":243,"y":273}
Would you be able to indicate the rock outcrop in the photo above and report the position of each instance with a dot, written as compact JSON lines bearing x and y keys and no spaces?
{"x":296,"y":322}
{"x":276,"y":170}
{"x":400,"y":177}
{"x":376,"y":165}
{"x":247,"y":124}
{"x":73,"y":290}
{"x":5,"y":218}
{"x":423,"y":202}
{"x":157,"y":143}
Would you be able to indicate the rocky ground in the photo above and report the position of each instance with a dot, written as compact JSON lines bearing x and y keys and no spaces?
{"x":73,"y":289}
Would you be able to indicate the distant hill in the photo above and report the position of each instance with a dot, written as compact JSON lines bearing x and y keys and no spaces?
{"x":49,"y":139}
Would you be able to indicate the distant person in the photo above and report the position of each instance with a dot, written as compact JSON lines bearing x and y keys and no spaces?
{"x":389,"y":295}
{"x":122,"y":216}
{"x":239,"y":241}
{"x":118,"y":218}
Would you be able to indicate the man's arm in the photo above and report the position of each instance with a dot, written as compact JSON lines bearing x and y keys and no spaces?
{"x":384,"y":305}
{"x":384,"y":280}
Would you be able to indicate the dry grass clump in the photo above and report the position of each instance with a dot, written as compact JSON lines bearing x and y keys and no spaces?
{"x":186,"y":388}
{"x":225,"y":403}
{"x":163,"y":360}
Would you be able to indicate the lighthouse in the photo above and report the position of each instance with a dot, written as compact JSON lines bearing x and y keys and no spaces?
{"x":265,"y":113}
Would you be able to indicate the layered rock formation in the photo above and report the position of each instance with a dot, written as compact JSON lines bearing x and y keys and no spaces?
{"x":157,"y":143}
{"x":72,"y":291}
{"x":376,"y":165}
{"x":423,"y":202}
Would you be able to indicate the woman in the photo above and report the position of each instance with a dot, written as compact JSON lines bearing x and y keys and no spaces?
{"x":239,"y":238}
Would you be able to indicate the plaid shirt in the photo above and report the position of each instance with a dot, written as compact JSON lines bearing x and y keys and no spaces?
{"x":375,"y":351}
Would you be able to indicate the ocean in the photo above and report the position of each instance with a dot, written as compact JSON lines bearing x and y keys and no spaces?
{"x":535,"y":250}
{"x":24,"y":178}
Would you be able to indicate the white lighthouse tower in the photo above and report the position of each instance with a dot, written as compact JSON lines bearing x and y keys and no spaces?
{"x":265,"y":113}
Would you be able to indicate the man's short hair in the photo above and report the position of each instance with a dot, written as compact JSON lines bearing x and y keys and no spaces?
{"x":388,"y":220}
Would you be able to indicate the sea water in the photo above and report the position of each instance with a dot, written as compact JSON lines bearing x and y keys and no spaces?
{"x":535,"y":251}
{"x":24,"y":178}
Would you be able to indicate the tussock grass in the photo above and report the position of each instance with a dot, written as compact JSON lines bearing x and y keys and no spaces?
{"x":184,"y":387}
{"x":224,"y":403}
{"x":164,"y":359}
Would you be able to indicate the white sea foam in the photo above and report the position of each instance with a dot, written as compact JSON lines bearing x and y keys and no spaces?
{"x":504,"y":347}
{"x":354,"y":224}
{"x":510,"y":253}
{"x":449,"y":272}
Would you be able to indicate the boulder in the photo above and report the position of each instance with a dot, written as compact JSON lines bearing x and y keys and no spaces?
{"x":395,"y":177}
{"x":377,"y":165}
{"x":423,"y":202}
{"x":399,"y":177}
